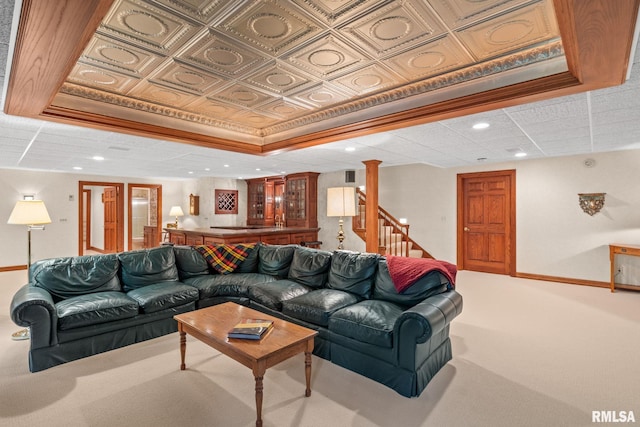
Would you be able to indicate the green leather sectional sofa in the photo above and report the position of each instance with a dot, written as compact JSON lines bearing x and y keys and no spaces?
{"x":80,"y":306}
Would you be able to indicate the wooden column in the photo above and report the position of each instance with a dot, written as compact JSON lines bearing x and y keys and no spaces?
{"x":371,"y":219}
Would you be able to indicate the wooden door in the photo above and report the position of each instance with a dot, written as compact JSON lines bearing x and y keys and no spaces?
{"x":486,"y":222}
{"x":110,"y":220}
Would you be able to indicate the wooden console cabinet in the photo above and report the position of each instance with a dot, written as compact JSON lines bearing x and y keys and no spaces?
{"x":291,"y":200}
{"x":621,"y":249}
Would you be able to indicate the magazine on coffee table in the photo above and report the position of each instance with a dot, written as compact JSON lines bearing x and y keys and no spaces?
{"x":250,"y":329}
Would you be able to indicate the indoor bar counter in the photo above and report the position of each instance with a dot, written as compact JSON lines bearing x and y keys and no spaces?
{"x":269,"y":235}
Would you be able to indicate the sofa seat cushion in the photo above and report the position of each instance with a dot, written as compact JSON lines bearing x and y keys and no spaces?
{"x":94,"y":308}
{"x":228,"y":285}
{"x":272,"y":294}
{"x":369,"y":321}
{"x":318,"y":305}
{"x":163,"y":295}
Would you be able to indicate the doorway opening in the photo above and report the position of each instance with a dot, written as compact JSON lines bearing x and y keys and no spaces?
{"x":144,"y":211}
{"x":101,"y":217}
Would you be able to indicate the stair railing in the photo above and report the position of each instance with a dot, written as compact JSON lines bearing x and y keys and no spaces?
{"x":393,"y":235}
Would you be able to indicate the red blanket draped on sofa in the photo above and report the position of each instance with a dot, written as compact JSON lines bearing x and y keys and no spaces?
{"x":406,"y":271}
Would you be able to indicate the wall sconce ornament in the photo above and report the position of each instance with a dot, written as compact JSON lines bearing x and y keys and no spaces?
{"x":591,"y":203}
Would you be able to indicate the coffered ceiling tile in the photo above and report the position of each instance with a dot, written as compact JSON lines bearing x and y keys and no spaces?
{"x":370,"y":79}
{"x":212,"y":51}
{"x":523,"y":27}
{"x":99,"y":78}
{"x":432,"y":59}
{"x":395,"y":26}
{"x":125,"y":58}
{"x":242,"y":95}
{"x":270,"y":26}
{"x":458,"y":13}
{"x":320,"y":96}
{"x":283,"y":109}
{"x":213,"y":108}
{"x":278,"y":79}
{"x":200,"y":10}
{"x":327,"y":57}
{"x":139,"y":22}
{"x":333,"y":12}
{"x":161,"y":94}
{"x":253,"y":118}
{"x":186,"y":78}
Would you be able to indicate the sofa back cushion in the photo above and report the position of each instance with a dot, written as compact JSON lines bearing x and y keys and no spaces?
{"x":353,"y":272}
{"x":147,"y":266}
{"x":190,"y":262}
{"x":310,"y":267}
{"x":73,"y":276}
{"x":431,"y":283}
{"x":275,"y":260}
{"x":250,"y":264}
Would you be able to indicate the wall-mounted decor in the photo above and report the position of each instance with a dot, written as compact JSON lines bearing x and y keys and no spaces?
{"x":194,"y":205}
{"x":226,"y":202}
{"x":591,"y":203}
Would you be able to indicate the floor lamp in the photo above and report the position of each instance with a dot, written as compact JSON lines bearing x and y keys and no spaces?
{"x":33,"y":214}
{"x":341,"y":202}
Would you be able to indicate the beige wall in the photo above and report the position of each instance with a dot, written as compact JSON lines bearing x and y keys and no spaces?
{"x":554,"y":236}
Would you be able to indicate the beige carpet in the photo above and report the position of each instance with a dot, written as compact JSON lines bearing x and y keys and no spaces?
{"x":526,"y":353}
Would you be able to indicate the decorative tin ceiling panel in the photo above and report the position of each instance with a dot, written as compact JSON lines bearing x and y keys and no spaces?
{"x":273,"y":66}
{"x":395,"y":26}
{"x":139,"y":22}
{"x":434,"y":58}
{"x":270,"y":26}
{"x":523,"y":27}
{"x":218,"y":54}
{"x":180,"y":76}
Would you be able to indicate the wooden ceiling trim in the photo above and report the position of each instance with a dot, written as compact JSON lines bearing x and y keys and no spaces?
{"x":597,"y":37}
{"x":51,"y":38}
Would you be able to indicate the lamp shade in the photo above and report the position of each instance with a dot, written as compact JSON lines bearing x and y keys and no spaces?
{"x":341,"y":201}
{"x":29,"y":212}
{"x":176,"y":211}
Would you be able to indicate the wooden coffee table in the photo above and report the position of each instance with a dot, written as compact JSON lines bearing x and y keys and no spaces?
{"x":210,"y":325}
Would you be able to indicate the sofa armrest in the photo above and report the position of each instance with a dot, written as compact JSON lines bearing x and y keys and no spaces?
{"x":33,"y":307}
{"x":421,"y":322}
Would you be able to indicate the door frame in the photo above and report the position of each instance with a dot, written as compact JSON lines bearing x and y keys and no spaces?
{"x":130,"y":188}
{"x":510,"y":246}
{"x":119,"y":214}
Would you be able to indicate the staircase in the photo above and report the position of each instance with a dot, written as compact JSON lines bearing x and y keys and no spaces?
{"x":393,"y":236}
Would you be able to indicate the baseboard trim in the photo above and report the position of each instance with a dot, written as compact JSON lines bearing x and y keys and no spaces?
{"x":13,"y":268}
{"x":558,"y":279}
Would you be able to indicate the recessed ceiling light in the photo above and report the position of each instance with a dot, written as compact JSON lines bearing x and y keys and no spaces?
{"x":226,"y":166}
{"x":481,"y":125}
{"x":98,"y":158}
{"x":283,"y":172}
{"x":350,"y":149}
{"x":521,"y":154}
{"x":77,"y":168}
{"x":258,"y":169}
{"x":207,"y":169}
{"x":190,"y":172}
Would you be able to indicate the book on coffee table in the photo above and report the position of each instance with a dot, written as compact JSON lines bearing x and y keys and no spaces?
{"x":250,"y":329}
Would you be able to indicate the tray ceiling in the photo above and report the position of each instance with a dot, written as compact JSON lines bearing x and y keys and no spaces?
{"x":260,"y":72}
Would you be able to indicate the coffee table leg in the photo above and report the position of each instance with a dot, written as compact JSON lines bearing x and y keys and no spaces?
{"x":307,"y":367}
{"x":258,"y":372}
{"x":183,"y":346}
